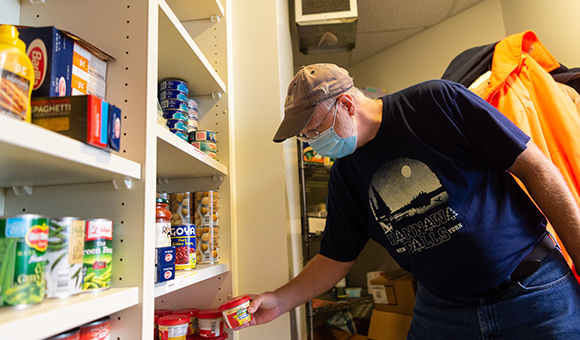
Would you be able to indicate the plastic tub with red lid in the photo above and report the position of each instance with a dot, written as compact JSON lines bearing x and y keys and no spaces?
{"x":235,"y":311}
{"x":173,"y":327}
{"x":210,"y":322}
{"x":192,"y":312}
{"x":199,"y":337}
{"x":163,"y":312}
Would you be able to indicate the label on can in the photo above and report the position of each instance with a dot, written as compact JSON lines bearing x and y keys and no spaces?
{"x":23,"y":243}
{"x":183,"y":238}
{"x":97,"y":330}
{"x":208,"y":250}
{"x":64,"y":265}
{"x":98,"y":255}
{"x":182,"y":211}
{"x":206,"y":208}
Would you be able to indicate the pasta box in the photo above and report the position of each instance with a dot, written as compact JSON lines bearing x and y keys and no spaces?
{"x":164,"y":256}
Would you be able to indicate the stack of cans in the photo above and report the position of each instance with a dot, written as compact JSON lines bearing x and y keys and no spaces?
{"x":173,"y":97}
{"x":205,"y":141}
{"x":192,"y":115}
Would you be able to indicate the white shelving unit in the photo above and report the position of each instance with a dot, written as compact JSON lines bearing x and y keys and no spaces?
{"x":46,"y":173}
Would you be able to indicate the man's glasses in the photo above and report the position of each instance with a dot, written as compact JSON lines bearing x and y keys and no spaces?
{"x":314,"y":134}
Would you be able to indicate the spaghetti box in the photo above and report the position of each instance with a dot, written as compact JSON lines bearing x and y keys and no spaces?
{"x":164,"y":256}
{"x":63,"y":63}
{"x":114,"y":129}
{"x":84,"y":118}
{"x":164,"y":273}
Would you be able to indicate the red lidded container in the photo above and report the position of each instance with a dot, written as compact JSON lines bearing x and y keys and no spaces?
{"x":235,"y":311}
{"x":211,"y":323}
{"x":163,"y":312}
{"x":173,"y":327}
{"x":192,"y":312}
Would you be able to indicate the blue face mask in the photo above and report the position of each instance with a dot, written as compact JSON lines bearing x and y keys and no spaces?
{"x":330,"y":144}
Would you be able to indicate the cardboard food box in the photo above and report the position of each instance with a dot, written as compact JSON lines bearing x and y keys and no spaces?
{"x":84,"y":118}
{"x":394,"y":292}
{"x":389,"y":326}
{"x":63,"y":63}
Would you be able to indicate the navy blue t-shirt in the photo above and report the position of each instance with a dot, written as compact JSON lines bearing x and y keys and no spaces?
{"x":433,"y":189}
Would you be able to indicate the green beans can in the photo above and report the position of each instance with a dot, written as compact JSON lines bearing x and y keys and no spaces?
{"x":23,"y":244}
{"x":64,"y":267}
{"x":98,"y":255}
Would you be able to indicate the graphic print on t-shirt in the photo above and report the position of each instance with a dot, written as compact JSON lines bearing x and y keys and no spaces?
{"x":410,"y":204}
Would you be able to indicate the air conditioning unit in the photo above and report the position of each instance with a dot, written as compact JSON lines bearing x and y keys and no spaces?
{"x":326,"y":26}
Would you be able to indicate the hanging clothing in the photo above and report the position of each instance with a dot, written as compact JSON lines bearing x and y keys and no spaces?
{"x":570,"y":92}
{"x":523,"y":90}
{"x":469,"y":65}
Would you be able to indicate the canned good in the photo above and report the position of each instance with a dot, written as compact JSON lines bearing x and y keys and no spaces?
{"x":206,"y":208}
{"x":175,"y":114}
{"x":173,"y":94}
{"x":177,"y":124}
{"x":71,"y":334}
{"x":180,"y":133}
{"x":174,"y":104}
{"x":219,"y":337}
{"x":173,"y":84}
{"x":155,"y":327}
{"x":183,"y":238}
{"x":192,"y":104}
{"x":98,"y":255}
{"x":182,"y":208}
{"x":192,"y":125}
{"x":208,"y":250}
{"x":64,"y":267}
{"x":211,"y":323}
{"x":173,"y":327}
{"x":235,"y":311}
{"x":23,"y":245}
{"x":211,"y":154}
{"x":192,"y":313}
{"x":203,"y":135}
{"x":97,"y":330}
{"x":205,"y":146}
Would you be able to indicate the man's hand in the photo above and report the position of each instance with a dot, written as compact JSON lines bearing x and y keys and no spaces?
{"x":264,"y":308}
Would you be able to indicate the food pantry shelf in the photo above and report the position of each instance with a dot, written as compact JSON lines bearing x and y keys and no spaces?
{"x":185,"y":11}
{"x":178,"y":159}
{"x":191,"y":277}
{"x":34,"y":156}
{"x":54,"y":316}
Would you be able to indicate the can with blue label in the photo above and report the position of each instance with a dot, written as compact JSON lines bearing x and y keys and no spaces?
{"x":175,"y":114}
{"x":173,"y":94}
{"x":174,"y":104}
{"x":173,"y":84}
{"x":177,"y":124}
{"x":183,"y":238}
{"x":180,"y":133}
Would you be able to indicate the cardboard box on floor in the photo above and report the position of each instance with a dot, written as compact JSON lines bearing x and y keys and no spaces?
{"x":389,"y":326}
{"x":394,"y":292}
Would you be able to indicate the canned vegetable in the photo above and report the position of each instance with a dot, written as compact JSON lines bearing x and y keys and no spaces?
{"x":98,"y":255}
{"x":183,"y":238}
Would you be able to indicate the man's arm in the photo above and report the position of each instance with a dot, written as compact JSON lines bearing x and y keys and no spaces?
{"x":317,"y":277}
{"x":551,"y":193}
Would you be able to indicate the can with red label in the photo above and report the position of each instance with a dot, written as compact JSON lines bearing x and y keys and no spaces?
{"x":71,"y":334}
{"x":98,"y":255}
{"x":97,"y":330}
{"x":183,"y":239}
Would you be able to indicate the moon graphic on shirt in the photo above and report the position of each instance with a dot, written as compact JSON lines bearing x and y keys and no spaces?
{"x":404,"y":188}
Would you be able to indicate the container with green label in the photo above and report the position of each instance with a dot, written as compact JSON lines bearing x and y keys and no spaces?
{"x":23,"y":243}
{"x":98,"y":255}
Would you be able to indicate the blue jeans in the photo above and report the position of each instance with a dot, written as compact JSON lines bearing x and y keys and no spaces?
{"x":545,"y":305}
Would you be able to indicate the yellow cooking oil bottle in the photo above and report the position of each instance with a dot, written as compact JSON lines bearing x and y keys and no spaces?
{"x":17,"y":75}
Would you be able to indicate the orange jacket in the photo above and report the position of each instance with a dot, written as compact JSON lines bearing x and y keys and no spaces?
{"x":522,"y":89}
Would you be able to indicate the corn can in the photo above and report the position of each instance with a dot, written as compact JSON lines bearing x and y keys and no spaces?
{"x":23,"y":244}
{"x":98,"y":255}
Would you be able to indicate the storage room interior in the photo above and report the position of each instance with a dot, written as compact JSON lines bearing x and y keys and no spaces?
{"x":252,"y":52}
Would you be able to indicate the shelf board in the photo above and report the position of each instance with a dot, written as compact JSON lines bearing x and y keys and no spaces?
{"x":187,"y":10}
{"x":177,"y":158}
{"x":185,"y":278}
{"x":32,"y":155}
{"x":176,"y":59}
{"x":54,"y":316}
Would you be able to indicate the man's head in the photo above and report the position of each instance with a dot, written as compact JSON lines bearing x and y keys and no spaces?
{"x":312,"y":85}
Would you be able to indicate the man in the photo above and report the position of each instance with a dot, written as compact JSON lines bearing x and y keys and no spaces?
{"x":427,"y":173}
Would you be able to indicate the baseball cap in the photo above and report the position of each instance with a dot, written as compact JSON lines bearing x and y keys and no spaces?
{"x":310,"y":86}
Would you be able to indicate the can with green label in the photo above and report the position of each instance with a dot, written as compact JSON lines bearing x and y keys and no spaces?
{"x":98,"y":255}
{"x":23,"y":243}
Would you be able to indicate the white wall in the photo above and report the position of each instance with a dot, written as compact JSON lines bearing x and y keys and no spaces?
{"x":261,"y":70}
{"x":10,"y":12}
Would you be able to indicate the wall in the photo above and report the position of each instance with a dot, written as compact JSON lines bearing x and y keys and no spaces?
{"x":261,"y":69}
{"x":10,"y":12}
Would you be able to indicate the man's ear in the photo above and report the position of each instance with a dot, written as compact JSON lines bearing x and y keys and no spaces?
{"x":348,"y":101}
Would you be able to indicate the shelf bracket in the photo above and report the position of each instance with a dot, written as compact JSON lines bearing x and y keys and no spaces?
{"x":37,"y":1}
{"x":162,"y":181}
{"x":212,"y":18}
{"x":213,"y":95}
{"x":122,"y":184}
{"x":24,"y":190}
{"x":218,"y":178}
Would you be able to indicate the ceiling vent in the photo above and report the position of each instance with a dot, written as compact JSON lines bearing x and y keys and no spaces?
{"x":326,"y":26}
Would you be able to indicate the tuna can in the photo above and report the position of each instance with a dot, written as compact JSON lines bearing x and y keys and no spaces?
{"x":211,"y":154}
{"x":23,"y":245}
{"x":97,"y":330}
{"x":192,"y":104}
{"x":64,"y":266}
{"x":205,"y":146}
{"x":192,"y":125}
{"x":211,"y":323}
{"x":177,"y":124}
{"x":98,"y":255}
{"x":180,"y":133}
{"x":71,"y":334}
{"x":173,"y":94}
{"x":206,"y":208}
{"x":203,"y":135}
{"x":174,"y":104}
{"x":175,"y":114}
{"x":173,"y":327}
{"x":235,"y":311}
{"x":183,"y":238}
{"x":182,"y":210}
{"x":173,"y":84}
{"x":192,"y":313}
{"x":208,"y":250}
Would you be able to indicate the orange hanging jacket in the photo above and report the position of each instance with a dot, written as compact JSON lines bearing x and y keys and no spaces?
{"x":523,"y":90}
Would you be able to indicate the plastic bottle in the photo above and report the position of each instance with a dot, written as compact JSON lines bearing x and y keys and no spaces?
{"x":162,"y":223}
{"x":16,"y":75}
